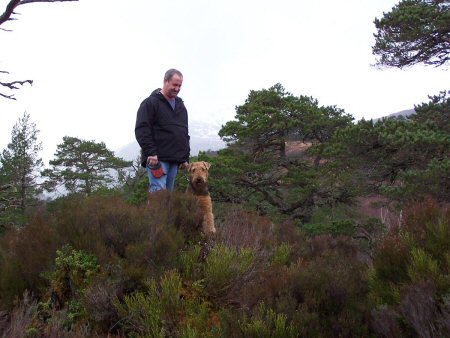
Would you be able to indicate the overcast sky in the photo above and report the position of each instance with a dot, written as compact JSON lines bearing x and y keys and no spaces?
{"x":94,"y":61}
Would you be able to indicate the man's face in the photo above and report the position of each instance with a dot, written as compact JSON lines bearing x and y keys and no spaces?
{"x":172,"y":87}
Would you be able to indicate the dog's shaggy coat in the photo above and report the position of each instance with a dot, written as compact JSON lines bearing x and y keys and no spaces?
{"x":198,"y":186}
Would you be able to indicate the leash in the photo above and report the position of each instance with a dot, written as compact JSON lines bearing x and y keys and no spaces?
{"x":185,"y":174}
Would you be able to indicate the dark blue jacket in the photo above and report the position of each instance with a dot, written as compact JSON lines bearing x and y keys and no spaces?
{"x":161,"y":130}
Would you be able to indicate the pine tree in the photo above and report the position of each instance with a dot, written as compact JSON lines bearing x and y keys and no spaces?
{"x":414,"y":32}
{"x":83,"y":166}
{"x":20,"y":172}
{"x":256,"y":168}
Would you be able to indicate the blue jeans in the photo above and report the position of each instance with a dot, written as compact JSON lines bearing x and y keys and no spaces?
{"x":166,"y":181}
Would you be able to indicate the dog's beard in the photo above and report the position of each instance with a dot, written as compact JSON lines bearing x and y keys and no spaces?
{"x":199,"y":186}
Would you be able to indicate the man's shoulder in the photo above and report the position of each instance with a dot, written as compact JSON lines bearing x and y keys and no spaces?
{"x":155,"y":95}
{"x":155,"y":98}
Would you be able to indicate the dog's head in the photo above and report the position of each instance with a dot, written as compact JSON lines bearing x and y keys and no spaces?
{"x":198,"y":173}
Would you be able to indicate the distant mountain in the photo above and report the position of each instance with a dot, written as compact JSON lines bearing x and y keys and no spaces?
{"x":404,"y":113}
{"x":204,"y":136}
{"x":399,"y":115}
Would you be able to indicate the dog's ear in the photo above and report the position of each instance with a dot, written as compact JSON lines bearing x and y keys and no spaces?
{"x":207,"y":165}
{"x":189,"y":166}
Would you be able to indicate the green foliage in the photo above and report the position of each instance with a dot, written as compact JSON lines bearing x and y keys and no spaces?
{"x":224,"y":266}
{"x":270,"y":116}
{"x":188,"y":261}
{"x":200,"y":320}
{"x":403,"y":159}
{"x":434,"y":114}
{"x":19,"y":169}
{"x":142,"y":312}
{"x":422,"y":266}
{"x":83,"y":166}
{"x":153,"y":313}
{"x":335,"y":227}
{"x":73,"y":272}
{"x":336,"y":220}
{"x":259,"y":279}
{"x":267,"y":323}
{"x":256,"y":169}
{"x":281,"y":254}
{"x":414,"y":31}
{"x":140,"y":192}
{"x":410,"y":275}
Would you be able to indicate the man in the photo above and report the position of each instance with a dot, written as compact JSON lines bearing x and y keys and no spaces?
{"x":162,"y":132}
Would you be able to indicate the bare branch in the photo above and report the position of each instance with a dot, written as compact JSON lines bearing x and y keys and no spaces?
{"x":12,"y":85}
{"x":9,"y":11}
{"x":6,"y":16}
{"x":23,"y":2}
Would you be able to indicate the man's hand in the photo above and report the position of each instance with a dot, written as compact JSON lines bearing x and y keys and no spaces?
{"x":183,"y":165}
{"x":152,"y":160}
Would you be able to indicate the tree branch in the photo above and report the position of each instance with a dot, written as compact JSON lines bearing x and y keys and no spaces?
{"x":9,"y":10}
{"x":6,"y":16}
{"x":12,"y":85}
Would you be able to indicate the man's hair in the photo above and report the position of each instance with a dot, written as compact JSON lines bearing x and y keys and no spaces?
{"x":170,"y":73}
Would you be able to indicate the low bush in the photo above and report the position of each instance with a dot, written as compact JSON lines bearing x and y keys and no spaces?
{"x":25,"y":254}
{"x":103,"y":267}
{"x":225,"y":269}
{"x":410,"y":276}
{"x":167,"y":308}
{"x":265,"y":322}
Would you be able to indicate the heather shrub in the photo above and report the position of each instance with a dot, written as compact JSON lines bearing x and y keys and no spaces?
{"x":21,"y":321}
{"x":188,"y":262}
{"x":225,"y":268}
{"x":153,"y":312}
{"x":281,"y":254}
{"x":422,"y":267}
{"x":141,"y":313}
{"x":385,"y":322}
{"x":321,"y":293}
{"x":199,"y":318}
{"x":410,"y":276}
{"x":100,"y":296}
{"x":330,"y":287}
{"x":73,"y":272}
{"x":243,"y":229}
{"x":265,"y":322}
{"x":143,"y":240}
{"x":420,"y":309}
{"x":389,"y":264}
{"x":24,"y":255}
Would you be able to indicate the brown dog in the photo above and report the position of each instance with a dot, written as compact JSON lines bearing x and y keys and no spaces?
{"x":198,"y":186}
